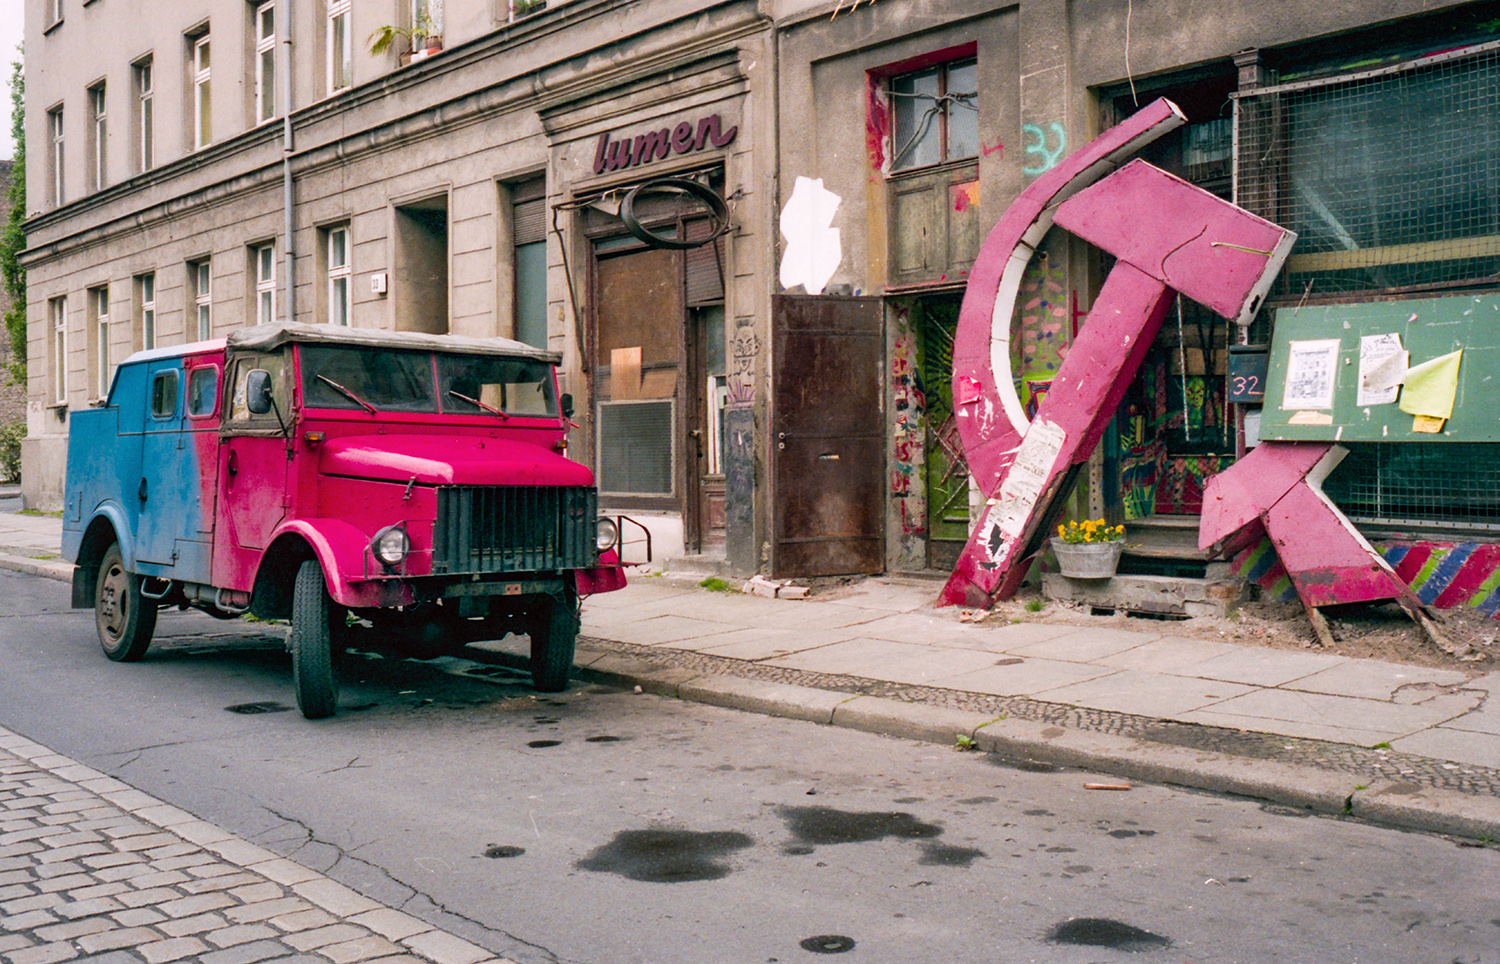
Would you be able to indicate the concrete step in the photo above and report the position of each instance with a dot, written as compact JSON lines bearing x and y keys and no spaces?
{"x":1151,"y":595}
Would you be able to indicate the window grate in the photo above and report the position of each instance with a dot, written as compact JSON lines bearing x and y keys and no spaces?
{"x":635,"y":447}
{"x":1391,"y":178}
{"x":1452,"y":485}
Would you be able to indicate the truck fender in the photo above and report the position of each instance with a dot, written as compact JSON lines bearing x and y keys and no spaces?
{"x":341,"y":549}
{"x":85,"y":547}
{"x":608,"y":576}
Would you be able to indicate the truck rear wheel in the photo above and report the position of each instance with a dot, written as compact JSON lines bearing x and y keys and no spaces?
{"x":124,"y":617}
{"x":554,"y":634}
{"x":316,"y":620}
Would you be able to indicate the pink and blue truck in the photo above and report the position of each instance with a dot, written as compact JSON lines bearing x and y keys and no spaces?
{"x":403,"y":488}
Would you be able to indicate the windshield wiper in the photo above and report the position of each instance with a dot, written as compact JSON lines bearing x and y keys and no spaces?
{"x":349,"y":393}
{"x":474,"y":401}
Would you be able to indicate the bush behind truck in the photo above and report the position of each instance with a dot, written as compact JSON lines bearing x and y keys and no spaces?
{"x":304,"y":472}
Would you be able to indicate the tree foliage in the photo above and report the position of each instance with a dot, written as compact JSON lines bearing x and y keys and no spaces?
{"x":13,"y":234}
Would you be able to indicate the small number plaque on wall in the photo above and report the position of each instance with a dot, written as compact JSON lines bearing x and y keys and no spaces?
{"x":1247,"y":373}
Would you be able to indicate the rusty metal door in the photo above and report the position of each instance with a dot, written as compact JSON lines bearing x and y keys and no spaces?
{"x":827,"y":436}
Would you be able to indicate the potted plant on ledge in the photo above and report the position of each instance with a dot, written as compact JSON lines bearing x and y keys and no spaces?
{"x":1088,"y":549}
{"x":424,"y":37}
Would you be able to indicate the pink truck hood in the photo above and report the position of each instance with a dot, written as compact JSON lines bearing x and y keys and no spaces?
{"x":448,"y":460}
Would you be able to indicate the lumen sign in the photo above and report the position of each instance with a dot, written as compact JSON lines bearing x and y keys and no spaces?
{"x":684,"y":138}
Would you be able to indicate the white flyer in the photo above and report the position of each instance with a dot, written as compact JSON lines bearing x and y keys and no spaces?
{"x":1382,"y":364}
{"x":1311,"y":367}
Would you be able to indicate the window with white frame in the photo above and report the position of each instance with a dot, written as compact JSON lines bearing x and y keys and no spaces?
{"x":145,"y":121}
{"x":340,"y":273}
{"x":265,"y":61}
{"x":55,"y":157}
{"x":935,"y":115}
{"x":54,"y":12}
{"x":57,"y":317}
{"x":340,"y":46}
{"x":98,"y":138}
{"x":202,"y":113}
{"x":98,"y":342}
{"x":264,"y":257}
{"x":200,"y":280}
{"x":427,"y":15}
{"x":145,"y":312}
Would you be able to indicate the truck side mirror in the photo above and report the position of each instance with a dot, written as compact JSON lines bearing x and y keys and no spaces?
{"x":258,"y":391}
{"x":567,"y":404}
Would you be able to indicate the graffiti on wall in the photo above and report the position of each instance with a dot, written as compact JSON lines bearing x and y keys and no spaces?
{"x":1040,"y":142}
{"x":908,"y":427}
{"x":1446,"y":575}
{"x":743,"y":351}
{"x":1044,"y":314}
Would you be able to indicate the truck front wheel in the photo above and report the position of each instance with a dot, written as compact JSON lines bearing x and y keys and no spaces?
{"x":124,"y":616}
{"x":554,"y":634}
{"x":315,"y":622}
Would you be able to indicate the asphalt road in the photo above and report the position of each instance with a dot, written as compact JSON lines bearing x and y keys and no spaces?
{"x":606,"y":827}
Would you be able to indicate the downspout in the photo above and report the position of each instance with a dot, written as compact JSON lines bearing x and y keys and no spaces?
{"x":288,"y":209}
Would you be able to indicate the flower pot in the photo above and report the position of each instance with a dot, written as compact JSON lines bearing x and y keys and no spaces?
{"x":1087,"y":560}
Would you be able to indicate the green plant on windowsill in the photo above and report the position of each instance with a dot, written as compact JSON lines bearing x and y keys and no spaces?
{"x":425,"y":34}
{"x":525,"y":8}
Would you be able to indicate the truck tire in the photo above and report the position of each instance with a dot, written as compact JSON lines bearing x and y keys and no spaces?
{"x":124,"y":617}
{"x":554,"y":634}
{"x":314,"y":616}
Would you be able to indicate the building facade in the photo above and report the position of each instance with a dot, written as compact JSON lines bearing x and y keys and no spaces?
{"x":746,"y":226}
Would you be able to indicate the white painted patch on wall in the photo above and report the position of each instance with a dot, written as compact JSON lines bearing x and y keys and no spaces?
{"x":813,"y":252}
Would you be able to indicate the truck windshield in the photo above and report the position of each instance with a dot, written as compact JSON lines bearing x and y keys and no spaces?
{"x":367,"y":378}
{"x":496,"y":385}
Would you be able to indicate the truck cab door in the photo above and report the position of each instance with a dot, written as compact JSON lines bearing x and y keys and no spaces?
{"x":253,"y":464}
{"x":167,"y":490}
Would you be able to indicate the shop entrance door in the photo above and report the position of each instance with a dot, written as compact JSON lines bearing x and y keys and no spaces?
{"x":827,"y":436}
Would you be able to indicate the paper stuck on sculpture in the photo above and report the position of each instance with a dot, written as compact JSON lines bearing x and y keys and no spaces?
{"x":1431,"y":387}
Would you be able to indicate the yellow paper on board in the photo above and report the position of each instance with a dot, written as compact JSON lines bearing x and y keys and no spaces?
{"x":1427,"y":424}
{"x":1430,"y":387}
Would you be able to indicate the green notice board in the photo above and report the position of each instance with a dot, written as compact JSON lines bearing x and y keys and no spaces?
{"x":1322,"y":350}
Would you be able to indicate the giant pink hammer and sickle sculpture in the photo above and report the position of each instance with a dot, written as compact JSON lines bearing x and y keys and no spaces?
{"x":1168,"y":237}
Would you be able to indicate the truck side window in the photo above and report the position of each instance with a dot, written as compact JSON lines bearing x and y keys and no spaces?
{"x":164,"y":394}
{"x":203,"y":387}
{"x":239,"y":403}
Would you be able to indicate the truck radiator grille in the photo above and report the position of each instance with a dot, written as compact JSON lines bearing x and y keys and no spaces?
{"x":514,"y":529}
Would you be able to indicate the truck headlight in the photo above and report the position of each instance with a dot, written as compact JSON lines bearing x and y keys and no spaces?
{"x":607,"y":534}
{"x":391,"y":545}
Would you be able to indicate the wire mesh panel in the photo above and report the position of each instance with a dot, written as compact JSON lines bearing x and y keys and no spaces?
{"x":1455,"y":485}
{"x":1390,"y":177}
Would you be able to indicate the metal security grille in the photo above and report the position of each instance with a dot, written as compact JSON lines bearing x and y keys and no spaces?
{"x":1390,"y":177}
{"x":1449,"y":485}
{"x":514,"y":529}
{"x":635,"y":447}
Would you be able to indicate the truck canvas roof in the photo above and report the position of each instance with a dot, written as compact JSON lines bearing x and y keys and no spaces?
{"x":270,"y":337}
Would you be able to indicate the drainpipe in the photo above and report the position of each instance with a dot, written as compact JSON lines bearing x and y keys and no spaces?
{"x":288,"y":209}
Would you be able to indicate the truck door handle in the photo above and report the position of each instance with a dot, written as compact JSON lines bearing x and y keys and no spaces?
{"x":233,"y":466}
{"x":141,"y":492}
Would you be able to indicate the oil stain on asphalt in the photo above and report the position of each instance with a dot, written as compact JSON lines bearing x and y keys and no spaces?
{"x":1102,"y":932}
{"x":667,"y":855}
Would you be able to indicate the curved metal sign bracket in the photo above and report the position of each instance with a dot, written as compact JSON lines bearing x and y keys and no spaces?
{"x":717,"y":207}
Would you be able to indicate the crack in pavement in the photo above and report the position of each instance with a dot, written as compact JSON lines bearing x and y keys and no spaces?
{"x":500,"y":942}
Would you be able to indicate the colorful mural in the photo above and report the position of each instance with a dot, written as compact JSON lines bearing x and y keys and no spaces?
{"x":1444,"y":575}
